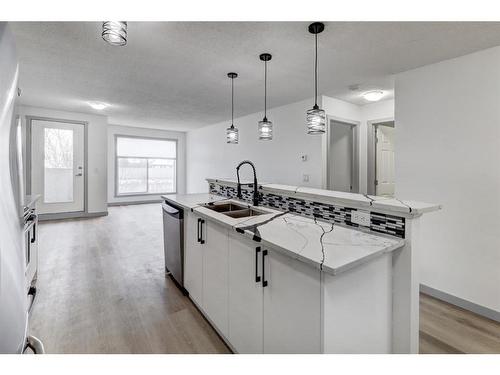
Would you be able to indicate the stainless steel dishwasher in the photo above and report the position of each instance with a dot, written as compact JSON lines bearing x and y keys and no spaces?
{"x":173,"y":240}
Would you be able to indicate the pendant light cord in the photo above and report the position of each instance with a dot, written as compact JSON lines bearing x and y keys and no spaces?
{"x":265,"y":90}
{"x":232,"y":102}
{"x":316,"y":72}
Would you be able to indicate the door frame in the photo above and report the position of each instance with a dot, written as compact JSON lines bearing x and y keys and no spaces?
{"x":371,"y":169}
{"x":355,"y":151}
{"x":29,"y":141}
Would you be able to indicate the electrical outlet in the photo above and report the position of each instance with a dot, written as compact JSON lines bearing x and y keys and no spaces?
{"x":305,"y":178}
{"x":361,"y":218}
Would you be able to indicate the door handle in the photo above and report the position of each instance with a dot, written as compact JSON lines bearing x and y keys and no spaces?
{"x":33,"y":238}
{"x":32,"y":294}
{"x":202,"y":241}
{"x":257,"y":251}
{"x":34,"y":344}
{"x":264,"y":281}
{"x":198,"y":230}
{"x":79,"y":174}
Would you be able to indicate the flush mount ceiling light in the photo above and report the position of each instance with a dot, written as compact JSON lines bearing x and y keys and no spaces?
{"x":265,"y":126}
{"x":115,"y":32}
{"x":374,"y":95}
{"x":315,"y":118}
{"x":232,"y":132}
{"x":98,"y":105}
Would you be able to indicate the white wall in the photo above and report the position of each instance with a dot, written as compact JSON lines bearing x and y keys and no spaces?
{"x":448,"y":151}
{"x":144,"y":132}
{"x":276,"y":161}
{"x":97,"y":152}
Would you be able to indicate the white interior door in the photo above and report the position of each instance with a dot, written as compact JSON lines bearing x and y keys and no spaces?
{"x":341,"y":157}
{"x":384,"y":167}
{"x":57,"y":166}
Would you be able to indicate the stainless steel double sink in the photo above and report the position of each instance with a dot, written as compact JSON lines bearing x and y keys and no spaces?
{"x":235,"y":210}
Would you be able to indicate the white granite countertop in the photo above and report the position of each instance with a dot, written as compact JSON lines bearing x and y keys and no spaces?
{"x":361,"y":201}
{"x":329,"y":247}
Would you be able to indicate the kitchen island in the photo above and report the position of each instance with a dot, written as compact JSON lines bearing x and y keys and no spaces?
{"x":277,"y":281}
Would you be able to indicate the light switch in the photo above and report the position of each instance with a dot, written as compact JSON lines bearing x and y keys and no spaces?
{"x":303,"y":157}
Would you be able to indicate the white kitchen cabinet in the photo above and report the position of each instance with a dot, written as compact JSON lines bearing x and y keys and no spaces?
{"x":292,"y":305}
{"x":224,"y":274}
{"x":245,"y":295}
{"x":193,"y":258}
{"x":215,"y":245}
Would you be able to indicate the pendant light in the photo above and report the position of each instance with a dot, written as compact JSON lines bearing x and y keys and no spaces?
{"x":316,"y":116}
{"x":232,"y":132}
{"x":115,"y":32}
{"x":265,"y":126}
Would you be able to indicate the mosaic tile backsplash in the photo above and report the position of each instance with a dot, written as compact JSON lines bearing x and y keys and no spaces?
{"x":379,"y":222}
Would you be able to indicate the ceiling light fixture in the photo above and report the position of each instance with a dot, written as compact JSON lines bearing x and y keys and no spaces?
{"x":115,"y":32}
{"x":374,"y":95}
{"x":232,"y":132}
{"x":98,"y":105}
{"x":265,"y":126}
{"x":315,"y":118}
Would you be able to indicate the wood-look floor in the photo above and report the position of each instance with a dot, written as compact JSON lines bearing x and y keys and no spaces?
{"x":102,"y":290}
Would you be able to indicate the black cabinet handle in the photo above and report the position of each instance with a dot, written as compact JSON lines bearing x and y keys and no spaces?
{"x":198,"y":230}
{"x":257,"y":277}
{"x":33,"y":239}
{"x":264,"y":281}
{"x":202,"y":241}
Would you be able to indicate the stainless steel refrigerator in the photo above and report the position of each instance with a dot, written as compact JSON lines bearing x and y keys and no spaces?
{"x":14,"y":328}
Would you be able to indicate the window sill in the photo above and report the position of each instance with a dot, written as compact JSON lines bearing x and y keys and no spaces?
{"x":142,"y":194}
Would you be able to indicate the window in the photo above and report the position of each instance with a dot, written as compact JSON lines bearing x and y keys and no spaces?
{"x":145,"y":165}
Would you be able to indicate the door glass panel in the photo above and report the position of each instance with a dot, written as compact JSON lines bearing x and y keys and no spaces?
{"x":132,"y":175}
{"x":161,"y":175}
{"x":58,"y":164}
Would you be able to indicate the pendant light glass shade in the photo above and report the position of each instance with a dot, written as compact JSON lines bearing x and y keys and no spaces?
{"x":232,"y":132}
{"x":265,"y":130}
{"x":232,"y":135}
{"x":115,"y":32}
{"x":315,"y":118}
{"x":265,"y":126}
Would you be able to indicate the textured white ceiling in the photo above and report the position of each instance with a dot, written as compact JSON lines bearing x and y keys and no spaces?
{"x":173,"y":74}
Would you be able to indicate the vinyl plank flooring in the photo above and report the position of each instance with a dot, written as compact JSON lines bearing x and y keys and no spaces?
{"x":445,"y":328}
{"x":102,"y":289}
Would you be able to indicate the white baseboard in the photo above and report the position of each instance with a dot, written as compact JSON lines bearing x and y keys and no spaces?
{"x":126,"y":203}
{"x":71,"y":215}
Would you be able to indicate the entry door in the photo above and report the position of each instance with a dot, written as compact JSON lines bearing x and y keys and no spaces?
{"x":57,"y":166}
{"x":385,"y":161}
{"x":341,"y":163}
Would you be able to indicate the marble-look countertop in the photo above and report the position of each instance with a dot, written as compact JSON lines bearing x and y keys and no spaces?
{"x":331,"y":248}
{"x":361,"y":201}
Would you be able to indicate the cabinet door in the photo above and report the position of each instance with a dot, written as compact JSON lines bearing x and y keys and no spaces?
{"x":193,"y":258}
{"x":292,"y":306}
{"x":215,"y":274}
{"x":245,"y":295}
